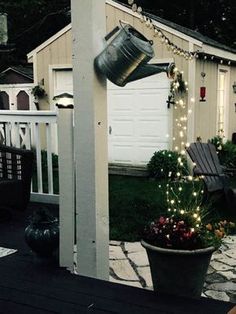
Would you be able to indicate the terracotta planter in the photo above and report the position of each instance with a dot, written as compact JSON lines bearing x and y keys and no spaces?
{"x":43,"y":237}
{"x":179,"y":272}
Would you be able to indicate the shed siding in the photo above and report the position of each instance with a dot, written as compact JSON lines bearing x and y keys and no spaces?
{"x":58,"y":52}
{"x":205,"y":118}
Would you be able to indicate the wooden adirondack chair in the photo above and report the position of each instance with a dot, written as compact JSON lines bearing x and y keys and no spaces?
{"x":15,"y":177}
{"x":207,"y":164}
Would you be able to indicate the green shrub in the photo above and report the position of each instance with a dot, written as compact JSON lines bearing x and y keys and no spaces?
{"x":226,"y":151}
{"x":165,"y":163}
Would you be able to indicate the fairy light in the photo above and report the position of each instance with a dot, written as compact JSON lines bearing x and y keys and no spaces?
{"x":188,"y":55}
{"x":184,"y":104}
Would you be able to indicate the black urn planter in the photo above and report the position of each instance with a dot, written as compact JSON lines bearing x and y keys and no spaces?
{"x":42,"y":236}
{"x":178,"y":272}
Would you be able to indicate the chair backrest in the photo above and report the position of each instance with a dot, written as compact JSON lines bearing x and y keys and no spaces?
{"x":16,"y":164}
{"x":207,"y":163}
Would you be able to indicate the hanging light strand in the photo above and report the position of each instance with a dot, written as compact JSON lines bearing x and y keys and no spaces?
{"x":188,"y":55}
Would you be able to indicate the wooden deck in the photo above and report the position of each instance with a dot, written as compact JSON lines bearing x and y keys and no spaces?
{"x":30,"y":286}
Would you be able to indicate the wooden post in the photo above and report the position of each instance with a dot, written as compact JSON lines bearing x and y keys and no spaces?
{"x":67,"y":187}
{"x":90,"y":140}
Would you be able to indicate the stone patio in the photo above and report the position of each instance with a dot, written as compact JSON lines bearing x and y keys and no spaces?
{"x":129,"y":266}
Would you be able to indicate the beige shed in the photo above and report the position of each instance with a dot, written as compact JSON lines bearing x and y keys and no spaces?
{"x":140,"y":119}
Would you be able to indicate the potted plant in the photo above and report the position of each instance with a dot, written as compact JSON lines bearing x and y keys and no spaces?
{"x":42,"y":233}
{"x":180,"y":243}
{"x":39,"y":93}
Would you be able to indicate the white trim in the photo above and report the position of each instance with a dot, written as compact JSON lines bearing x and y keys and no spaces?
{"x":49,"y":41}
{"x":18,"y":85}
{"x":158,"y":24}
{"x":52,"y":68}
{"x":218,"y":52}
{"x":191,"y":94}
{"x":44,"y":198}
{"x":226,"y":70}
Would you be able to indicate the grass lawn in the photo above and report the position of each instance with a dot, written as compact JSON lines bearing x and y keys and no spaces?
{"x":134,"y":201}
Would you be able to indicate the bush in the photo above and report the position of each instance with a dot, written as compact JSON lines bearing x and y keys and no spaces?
{"x":226,"y":151}
{"x":165,"y":163}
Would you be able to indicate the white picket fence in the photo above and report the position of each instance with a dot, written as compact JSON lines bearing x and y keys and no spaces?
{"x":33,"y":130}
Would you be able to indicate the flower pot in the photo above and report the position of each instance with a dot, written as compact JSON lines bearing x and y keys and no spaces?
{"x":43,"y":237}
{"x":178,"y":272}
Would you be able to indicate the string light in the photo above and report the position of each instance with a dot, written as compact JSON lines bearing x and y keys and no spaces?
{"x":188,"y":55}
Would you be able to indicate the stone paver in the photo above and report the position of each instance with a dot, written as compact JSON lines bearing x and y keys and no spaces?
{"x":123,"y":270}
{"x":139,"y":258}
{"x":132,"y":247}
{"x":229,"y":275}
{"x":116,"y":252}
{"x":144,"y":272}
{"x":129,"y":265}
{"x":217,"y":295}
{"x":220,"y":266}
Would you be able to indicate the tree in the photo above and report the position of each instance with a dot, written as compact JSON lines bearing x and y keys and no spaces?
{"x":212,"y":18}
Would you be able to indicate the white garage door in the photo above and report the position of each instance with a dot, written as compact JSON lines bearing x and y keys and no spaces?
{"x":139,"y":120}
{"x":138,"y":117}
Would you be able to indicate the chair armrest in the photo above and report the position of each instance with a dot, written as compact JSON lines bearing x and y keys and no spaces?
{"x":201,"y":173}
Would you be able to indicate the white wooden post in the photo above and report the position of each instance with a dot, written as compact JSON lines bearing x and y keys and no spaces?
{"x":66,"y":186}
{"x":90,"y":138}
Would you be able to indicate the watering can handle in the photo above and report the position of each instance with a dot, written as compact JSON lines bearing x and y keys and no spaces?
{"x":109,"y":35}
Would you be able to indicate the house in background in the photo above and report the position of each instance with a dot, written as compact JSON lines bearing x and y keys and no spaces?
{"x":16,"y":83}
{"x":139,"y":117}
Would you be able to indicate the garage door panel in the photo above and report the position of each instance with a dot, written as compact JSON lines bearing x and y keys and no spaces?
{"x":152,"y":129}
{"x":154,"y":103}
{"x":120,"y":103}
{"x":123,"y":153}
{"x":123,"y":128}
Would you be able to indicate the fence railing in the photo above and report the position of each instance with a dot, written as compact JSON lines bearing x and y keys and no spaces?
{"x":35,"y":130}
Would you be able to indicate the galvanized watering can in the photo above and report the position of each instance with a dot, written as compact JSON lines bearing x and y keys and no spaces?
{"x":125,"y":58}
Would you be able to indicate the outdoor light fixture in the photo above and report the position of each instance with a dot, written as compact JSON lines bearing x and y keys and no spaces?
{"x":64,"y":100}
{"x":234,"y":87}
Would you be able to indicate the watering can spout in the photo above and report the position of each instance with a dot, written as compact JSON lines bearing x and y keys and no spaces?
{"x":146,"y":70}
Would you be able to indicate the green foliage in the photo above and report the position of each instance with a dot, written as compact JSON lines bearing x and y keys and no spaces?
{"x":136,"y":201}
{"x":164,"y":164}
{"x":226,"y":151}
{"x":38,"y":92}
{"x":178,"y":85}
{"x":133,"y":201}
